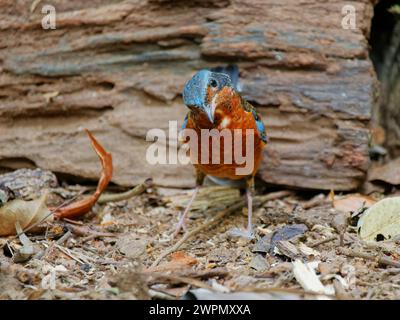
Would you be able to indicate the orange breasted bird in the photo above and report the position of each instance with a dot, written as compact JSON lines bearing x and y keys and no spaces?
{"x":215,"y":104}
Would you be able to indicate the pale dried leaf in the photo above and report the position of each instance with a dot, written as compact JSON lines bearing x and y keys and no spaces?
{"x":308,"y":279}
{"x":381,"y":221}
{"x":307,"y":251}
{"x":26,"y":213}
{"x":388,"y":173}
{"x":352,"y":203}
{"x":27,"y":250}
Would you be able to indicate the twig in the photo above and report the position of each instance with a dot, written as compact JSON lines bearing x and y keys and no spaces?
{"x":157,"y":277}
{"x":219,"y":216}
{"x":340,"y":292}
{"x":272,"y":196}
{"x":190,"y":234}
{"x":195,"y":274}
{"x":374,"y":257}
{"x":75,"y":222}
{"x":391,"y":271}
{"x":139,"y":189}
{"x":64,"y":238}
{"x":60,"y":241}
{"x":69,"y":254}
{"x":317,"y":243}
{"x":65,"y":203}
{"x":301,"y":292}
{"x":158,"y":295}
{"x":89,"y":233}
{"x":315,"y":201}
{"x":97,"y":235}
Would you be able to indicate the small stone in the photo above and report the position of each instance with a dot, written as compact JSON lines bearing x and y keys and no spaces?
{"x":132,"y":248}
{"x":325,"y":268}
{"x":259,"y":263}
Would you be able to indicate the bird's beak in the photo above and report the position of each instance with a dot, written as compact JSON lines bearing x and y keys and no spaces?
{"x":210,"y":113}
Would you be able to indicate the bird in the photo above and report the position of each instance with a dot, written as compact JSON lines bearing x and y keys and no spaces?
{"x":214,"y":103}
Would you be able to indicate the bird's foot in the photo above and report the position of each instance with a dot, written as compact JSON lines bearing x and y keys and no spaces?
{"x":247,"y":234}
{"x":180,"y":226}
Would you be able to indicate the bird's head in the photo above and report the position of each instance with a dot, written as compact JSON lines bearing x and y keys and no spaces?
{"x":202,"y":89}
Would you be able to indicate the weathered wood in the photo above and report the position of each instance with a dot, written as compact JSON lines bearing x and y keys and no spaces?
{"x":118,"y":69}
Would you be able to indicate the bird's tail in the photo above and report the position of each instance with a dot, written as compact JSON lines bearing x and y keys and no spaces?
{"x":231,"y":70}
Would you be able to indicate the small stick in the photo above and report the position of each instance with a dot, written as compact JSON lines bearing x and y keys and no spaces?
{"x":60,"y":241}
{"x":65,"y":203}
{"x":190,"y":234}
{"x":76,"y":222}
{"x":69,"y":254}
{"x":158,"y":295}
{"x":64,"y":238}
{"x":284,"y":290}
{"x":139,"y":189}
{"x":157,"y":277}
{"x":85,"y":231}
{"x":317,"y":243}
{"x":97,"y":235}
{"x":374,"y":257}
{"x":340,"y":292}
{"x":272,"y":196}
{"x":219,"y":216}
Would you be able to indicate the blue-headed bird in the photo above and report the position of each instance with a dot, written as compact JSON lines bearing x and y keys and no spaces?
{"x":215,"y":103}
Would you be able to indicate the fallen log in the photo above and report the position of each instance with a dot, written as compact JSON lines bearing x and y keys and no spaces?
{"x":118,"y":69}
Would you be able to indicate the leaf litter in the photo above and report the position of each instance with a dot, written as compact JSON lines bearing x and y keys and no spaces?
{"x":305,"y":248}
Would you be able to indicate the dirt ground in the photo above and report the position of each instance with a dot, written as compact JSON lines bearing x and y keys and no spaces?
{"x":111,"y":252}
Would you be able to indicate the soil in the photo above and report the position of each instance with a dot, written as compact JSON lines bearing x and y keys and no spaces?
{"x":110,"y":253}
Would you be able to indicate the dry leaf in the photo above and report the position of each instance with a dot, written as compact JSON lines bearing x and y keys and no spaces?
{"x":179,"y":260}
{"x":132,"y":248}
{"x":388,"y":173}
{"x":26,"y":213}
{"x":352,"y":203}
{"x":308,"y":279}
{"x":27,"y":250}
{"x":83,"y":206}
{"x":205,"y":294}
{"x":378,"y":135}
{"x":259,"y":263}
{"x":339,"y":222}
{"x":182,"y":258}
{"x":50,"y":95}
{"x":287,"y":233}
{"x":34,"y":5}
{"x":307,"y":251}
{"x":381,"y":221}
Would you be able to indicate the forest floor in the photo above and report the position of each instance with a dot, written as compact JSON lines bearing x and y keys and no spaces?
{"x":117,"y":252}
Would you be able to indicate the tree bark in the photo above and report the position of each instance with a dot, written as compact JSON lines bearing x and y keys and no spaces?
{"x":118,"y":69}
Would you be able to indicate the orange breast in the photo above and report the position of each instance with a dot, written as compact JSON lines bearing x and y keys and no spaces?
{"x":231,"y":153}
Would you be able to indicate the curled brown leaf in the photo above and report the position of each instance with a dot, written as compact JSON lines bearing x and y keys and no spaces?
{"x":83,"y":206}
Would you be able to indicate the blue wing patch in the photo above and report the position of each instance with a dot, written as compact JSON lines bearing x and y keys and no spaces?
{"x":259,"y":124}
{"x":185,"y":122}
{"x":261,"y":130}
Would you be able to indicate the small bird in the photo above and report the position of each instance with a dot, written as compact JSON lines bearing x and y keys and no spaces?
{"x":215,"y":103}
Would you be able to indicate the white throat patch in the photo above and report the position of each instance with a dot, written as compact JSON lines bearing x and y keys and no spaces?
{"x":214,"y":103}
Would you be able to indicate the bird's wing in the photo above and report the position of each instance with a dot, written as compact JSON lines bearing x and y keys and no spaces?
{"x":185,"y":121}
{"x":181,"y":138}
{"x":260,"y":125}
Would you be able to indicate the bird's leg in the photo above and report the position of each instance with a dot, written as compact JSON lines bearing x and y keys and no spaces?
{"x":249,"y":197}
{"x":182,"y":219}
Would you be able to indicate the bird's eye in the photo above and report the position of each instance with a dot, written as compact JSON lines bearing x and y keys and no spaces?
{"x":213,"y":83}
